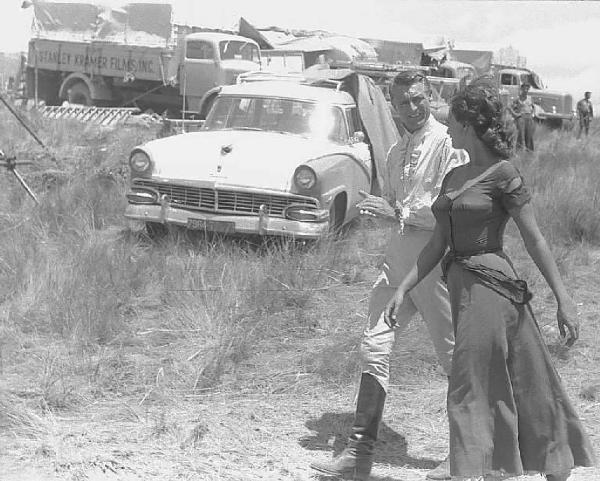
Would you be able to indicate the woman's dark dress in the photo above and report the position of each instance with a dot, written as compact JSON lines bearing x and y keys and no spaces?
{"x":508,"y":410}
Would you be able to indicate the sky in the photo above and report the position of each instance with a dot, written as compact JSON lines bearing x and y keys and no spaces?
{"x":559,"y":39}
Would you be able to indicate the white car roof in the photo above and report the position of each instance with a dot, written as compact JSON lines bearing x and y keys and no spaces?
{"x":288,"y":90}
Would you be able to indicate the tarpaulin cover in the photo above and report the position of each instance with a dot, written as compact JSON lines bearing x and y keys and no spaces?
{"x":340,"y":48}
{"x":480,"y":59}
{"x":136,"y":23}
{"x":397,"y":52}
{"x":378,"y":124}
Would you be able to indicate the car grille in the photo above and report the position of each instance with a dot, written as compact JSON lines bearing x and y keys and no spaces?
{"x":225,"y":201}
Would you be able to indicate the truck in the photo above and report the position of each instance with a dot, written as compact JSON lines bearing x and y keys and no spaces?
{"x":177,"y":73}
{"x":552,"y":107}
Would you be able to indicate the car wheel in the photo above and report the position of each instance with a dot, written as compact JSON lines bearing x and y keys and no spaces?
{"x":156,"y":231}
{"x":80,"y":94}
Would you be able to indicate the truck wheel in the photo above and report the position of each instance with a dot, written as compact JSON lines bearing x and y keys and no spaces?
{"x":79,"y":93}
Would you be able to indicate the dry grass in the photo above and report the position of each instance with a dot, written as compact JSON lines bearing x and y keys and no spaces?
{"x":211,"y":358}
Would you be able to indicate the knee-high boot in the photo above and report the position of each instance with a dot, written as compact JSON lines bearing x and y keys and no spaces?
{"x":356,"y":459}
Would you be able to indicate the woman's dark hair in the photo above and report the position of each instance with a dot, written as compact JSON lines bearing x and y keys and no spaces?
{"x":478,"y":104}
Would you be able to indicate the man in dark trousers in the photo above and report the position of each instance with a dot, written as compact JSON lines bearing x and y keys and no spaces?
{"x":585,"y":112}
{"x":522,"y":111}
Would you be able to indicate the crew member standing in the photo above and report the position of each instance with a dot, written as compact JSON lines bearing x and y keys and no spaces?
{"x":523,"y":111}
{"x":585,"y":112}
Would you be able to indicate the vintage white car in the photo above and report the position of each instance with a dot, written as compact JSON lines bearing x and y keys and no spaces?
{"x":276,"y":156}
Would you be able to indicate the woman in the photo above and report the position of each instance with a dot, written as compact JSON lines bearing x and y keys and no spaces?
{"x":508,"y":411}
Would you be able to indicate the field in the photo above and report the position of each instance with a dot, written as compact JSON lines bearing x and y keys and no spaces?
{"x":194,"y":358}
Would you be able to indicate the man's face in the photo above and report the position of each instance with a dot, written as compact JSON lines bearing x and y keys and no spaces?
{"x":588,"y":95}
{"x":412,"y":105}
{"x":524,"y":91}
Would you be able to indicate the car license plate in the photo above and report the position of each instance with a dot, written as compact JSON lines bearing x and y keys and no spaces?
{"x":211,"y":225}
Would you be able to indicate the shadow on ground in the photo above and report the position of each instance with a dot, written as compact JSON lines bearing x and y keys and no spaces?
{"x":332,"y":429}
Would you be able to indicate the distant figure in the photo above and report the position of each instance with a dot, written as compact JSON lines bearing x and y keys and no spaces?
{"x":585,"y":112}
{"x":522,"y":110}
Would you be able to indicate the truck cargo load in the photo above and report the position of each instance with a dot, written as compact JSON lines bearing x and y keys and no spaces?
{"x":130,"y":54}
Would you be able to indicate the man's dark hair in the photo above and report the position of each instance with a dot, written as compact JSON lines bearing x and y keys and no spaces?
{"x":525,"y":85}
{"x":587,"y":92}
{"x":407,"y":78}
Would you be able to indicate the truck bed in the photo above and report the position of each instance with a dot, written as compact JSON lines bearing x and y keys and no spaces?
{"x":101,"y":58}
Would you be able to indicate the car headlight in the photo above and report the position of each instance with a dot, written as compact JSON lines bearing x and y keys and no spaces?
{"x":139,"y":162}
{"x":305,"y":177}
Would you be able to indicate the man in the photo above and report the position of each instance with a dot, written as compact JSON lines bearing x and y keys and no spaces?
{"x":416,"y":166}
{"x":585,"y":112}
{"x":522,"y":111}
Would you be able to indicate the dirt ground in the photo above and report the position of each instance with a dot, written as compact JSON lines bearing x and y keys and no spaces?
{"x":276,"y":415}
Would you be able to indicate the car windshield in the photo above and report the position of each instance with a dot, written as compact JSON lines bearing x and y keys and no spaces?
{"x":238,"y":50}
{"x":278,"y":115}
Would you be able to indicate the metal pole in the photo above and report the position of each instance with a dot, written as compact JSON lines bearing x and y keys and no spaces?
{"x":11,"y":163}
{"x":25,"y":186}
{"x":24,"y":124}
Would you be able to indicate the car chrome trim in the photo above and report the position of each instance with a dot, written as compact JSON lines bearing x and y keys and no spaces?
{"x":210,"y":198}
{"x":255,"y":224}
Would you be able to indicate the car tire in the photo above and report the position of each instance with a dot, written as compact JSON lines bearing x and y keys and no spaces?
{"x":156,"y":231}
{"x":79,"y":94}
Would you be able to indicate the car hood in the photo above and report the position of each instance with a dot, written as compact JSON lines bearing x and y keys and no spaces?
{"x":236,"y":157}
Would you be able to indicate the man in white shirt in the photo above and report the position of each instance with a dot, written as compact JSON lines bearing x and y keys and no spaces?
{"x":416,"y":166}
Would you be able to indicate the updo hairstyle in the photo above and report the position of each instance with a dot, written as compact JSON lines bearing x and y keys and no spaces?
{"x":478,"y":105}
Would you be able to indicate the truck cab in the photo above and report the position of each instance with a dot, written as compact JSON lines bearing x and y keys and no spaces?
{"x":211,"y":60}
{"x":551,"y":106}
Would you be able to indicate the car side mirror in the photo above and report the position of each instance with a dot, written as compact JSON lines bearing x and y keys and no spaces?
{"x":358,"y":137}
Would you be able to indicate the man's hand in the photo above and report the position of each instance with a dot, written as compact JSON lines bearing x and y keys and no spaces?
{"x":375,"y":206}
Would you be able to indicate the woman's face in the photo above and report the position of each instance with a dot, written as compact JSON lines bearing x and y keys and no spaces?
{"x":456,"y":131}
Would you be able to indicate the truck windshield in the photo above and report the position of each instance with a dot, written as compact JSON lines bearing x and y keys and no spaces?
{"x":238,"y":50}
{"x":318,"y":121}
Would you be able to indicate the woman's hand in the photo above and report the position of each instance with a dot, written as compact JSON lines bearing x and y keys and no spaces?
{"x":375,"y":206}
{"x":392,"y":308}
{"x":566,"y":316}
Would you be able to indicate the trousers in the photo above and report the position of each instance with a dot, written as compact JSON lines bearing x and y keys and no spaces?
{"x":525,"y":129}
{"x":429,"y":298}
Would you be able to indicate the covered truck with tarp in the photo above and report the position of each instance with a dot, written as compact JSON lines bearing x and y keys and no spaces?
{"x":296,"y":50}
{"x":130,"y":54}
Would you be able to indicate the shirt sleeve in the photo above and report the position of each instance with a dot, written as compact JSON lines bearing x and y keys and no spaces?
{"x":514,"y":192}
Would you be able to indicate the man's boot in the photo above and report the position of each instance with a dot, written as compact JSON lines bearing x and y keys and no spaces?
{"x":356,"y":459}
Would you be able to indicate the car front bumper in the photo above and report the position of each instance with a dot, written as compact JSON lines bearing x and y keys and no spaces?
{"x":261,"y":224}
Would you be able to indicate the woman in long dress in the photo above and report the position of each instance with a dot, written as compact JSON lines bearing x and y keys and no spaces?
{"x":508,"y":411}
